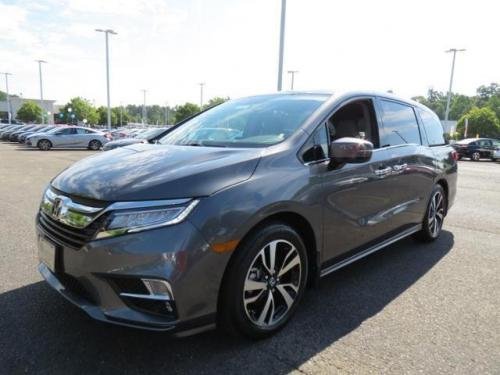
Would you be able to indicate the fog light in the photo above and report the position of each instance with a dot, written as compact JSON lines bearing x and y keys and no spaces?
{"x":158,"y":288}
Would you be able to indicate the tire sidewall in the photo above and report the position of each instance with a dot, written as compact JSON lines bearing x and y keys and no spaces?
{"x":40,"y":142}
{"x":246,"y":254}
{"x":425,"y":228}
{"x":96,"y":142}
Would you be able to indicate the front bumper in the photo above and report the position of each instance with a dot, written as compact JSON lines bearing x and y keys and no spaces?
{"x":177,"y":254}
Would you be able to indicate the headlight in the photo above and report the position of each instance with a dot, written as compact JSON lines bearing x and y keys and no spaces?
{"x":137,"y":220}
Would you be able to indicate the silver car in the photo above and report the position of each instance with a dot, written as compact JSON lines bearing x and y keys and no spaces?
{"x":68,"y":137}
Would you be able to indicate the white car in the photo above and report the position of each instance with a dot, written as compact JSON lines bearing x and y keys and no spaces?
{"x":496,"y":152}
{"x":68,"y":137}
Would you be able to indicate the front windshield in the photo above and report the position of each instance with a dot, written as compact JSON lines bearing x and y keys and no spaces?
{"x":249,"y":122}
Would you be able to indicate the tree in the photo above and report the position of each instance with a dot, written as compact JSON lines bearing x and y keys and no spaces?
{"x":484,"y":93}
{"x":3,"y":96}
{"x":102,"y":113}
{"x":216,"y":101}
{"x":82,"y":109}
{"x":30,"y":112}
{"x":460,"y":105}
{"x":482,"y":122}
{"x":182,"y":112}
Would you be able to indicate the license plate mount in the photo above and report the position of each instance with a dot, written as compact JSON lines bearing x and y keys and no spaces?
{"x":47,"y":252}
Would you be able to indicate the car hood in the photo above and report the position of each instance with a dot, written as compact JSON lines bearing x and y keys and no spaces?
{"x":148,"y":172}
{"x":124,"y":142}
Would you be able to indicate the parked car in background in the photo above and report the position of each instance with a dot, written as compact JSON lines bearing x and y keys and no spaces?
{"x":475,"y":148}
{"x":22,"y":137}
{"x":13,"y":137}
{"x":5,"y":134}
{"x":496,"y":152}
{"x":68,"y":137}
{"x":149,"y":136}
{"x":229,"y":230}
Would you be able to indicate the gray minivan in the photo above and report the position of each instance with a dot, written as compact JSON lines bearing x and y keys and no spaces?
{"x":236,"y":210}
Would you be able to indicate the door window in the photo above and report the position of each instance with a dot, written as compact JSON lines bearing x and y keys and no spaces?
{"x":316,"y":147}
{"x":356,"y":120}
{"x":67,"y":131}
{"x":400,"y":124}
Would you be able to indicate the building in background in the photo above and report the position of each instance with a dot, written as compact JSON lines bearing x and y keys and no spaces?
{"x":16,"y":102}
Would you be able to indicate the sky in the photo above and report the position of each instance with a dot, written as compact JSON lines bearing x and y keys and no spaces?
{"x":169,"y":46}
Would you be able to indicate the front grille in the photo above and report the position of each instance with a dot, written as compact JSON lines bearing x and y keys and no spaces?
{"x":66,"y":235}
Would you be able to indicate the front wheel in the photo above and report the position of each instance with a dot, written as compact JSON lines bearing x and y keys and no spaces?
{"x":44,"y":145}
{"x":475,"y":156}
{"x":265,"y":282}
{"x":95,"y":145}
{"x":434,"y":217}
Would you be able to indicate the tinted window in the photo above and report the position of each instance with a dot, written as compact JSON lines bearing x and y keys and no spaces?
{"x":84,"y":131}
{"x":400,"y":124}
{"x":66,"y":131}
{"x":433,"y":128}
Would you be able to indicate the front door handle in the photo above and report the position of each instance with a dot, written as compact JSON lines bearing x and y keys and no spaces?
{"x":400,"y":167}
{"x":382,"y":172}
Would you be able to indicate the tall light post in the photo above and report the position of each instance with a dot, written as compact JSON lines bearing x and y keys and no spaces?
{"x":40,"y":62}
{"x":201,"y":94}
{"x":282,"y":44}
{"x":9,"y":109}
{"x":292,"y":72}
{"x":448,"y":100}
{"x":121,"y":114}
{"x":144,"y":114}
{"x":106,"y":33}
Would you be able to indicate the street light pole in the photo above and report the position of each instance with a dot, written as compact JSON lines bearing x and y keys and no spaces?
{"x":448,"y":100}
{"x":201,"y":94}
{"x":9,"y":109}
{"x":282,"y":44}
{"x":144,"y":114}
{"x":106,"y":33}
{"x":292,"y":72}
{"x":40,"y":62}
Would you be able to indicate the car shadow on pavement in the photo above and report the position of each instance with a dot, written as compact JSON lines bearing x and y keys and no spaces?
{"x":41,"y":332}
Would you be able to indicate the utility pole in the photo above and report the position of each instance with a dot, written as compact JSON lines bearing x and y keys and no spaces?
{"x":40,"y":62}
{"x":9,"y":109}
{"x":144,"y":114}
{"x":448,"y":100}
{"x":106,"y":33}
{"x":292,"y":72}
{"x":282,"y":44}
{"x":166,"y":113}
{"x":201,"y":94}
{"x":121,"y":114}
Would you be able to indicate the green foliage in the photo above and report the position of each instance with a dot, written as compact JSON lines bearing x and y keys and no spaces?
{"x":184,"y":111}
{"x":482,"y":122}
{"x":82,"y":109}
{"x":102,"y":112}
{"x":30,"y":112}
{"x":215,"y":101}
{"x":3,"y":96}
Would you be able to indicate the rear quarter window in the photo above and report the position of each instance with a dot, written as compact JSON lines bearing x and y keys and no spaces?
{"x":433,"y":128}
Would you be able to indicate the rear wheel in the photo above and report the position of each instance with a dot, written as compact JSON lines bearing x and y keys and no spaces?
{"x":264,"y":283}
{"x":44,"y":144}
{"x":434,"y":217}
{"x":95,"y":145}
{"x":475,"y":156}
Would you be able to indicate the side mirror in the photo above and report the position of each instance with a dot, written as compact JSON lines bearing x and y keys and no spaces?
{"x":350,"y":150}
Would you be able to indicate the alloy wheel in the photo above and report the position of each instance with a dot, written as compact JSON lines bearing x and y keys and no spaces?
{"x":272,"y":283}
{"x":476,"y":156}
{"x":44,"y":145}
{"x":436,"y":214}
{"x":95,"y":145}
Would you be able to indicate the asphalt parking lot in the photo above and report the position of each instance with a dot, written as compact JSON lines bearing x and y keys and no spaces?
{"x":410,"y":308}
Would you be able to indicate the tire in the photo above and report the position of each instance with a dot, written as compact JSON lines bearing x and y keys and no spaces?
{"x":44,"y":144}
{"x":475,"y":156}
{"x":95,"y":145}
{"x":256,"y":302}
{"x":434,"y":215}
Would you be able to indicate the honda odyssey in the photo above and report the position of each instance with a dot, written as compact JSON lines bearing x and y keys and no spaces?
{"x":228,"y":218}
